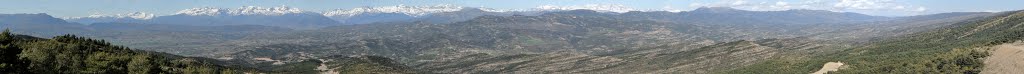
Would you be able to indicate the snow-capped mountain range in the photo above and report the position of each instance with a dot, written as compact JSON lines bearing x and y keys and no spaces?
{"x":127,"y":17}
{"x":245,"y":10}
{"x":402,"y":9}
{"x":281,"y":16}
{"x":202,"y":11}
{"x":134,"y":15}
{"x":284,"y":15}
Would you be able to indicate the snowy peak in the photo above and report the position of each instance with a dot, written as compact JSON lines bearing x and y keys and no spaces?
{"x":245,"y":10}
{"x":253,"y":10}
{"x":408,"y":10}
{"x":201,"y":11}
{"x":137,"y":15}
{"x":133,"y":15}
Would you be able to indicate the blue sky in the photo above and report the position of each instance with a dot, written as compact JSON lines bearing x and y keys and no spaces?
{"x":78,"y":8}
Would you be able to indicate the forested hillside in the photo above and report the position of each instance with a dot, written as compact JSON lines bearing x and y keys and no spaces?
{"x":70,"y":54}
{"x":73,"y":54}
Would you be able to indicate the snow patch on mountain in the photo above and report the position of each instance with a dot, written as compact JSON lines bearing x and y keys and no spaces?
{"x":403,"y":9}
{"x":245,"y":10}
{"x":133,"y":15}
{"x":498,"y":10}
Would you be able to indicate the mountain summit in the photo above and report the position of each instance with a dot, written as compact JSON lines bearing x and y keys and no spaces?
{"x":282,"y":16}
{"x":401,"y":9}
{"x":245,"y":10}
{"x":98,"y":18}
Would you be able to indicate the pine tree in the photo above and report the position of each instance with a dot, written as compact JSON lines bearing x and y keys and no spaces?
{"x":141,"y":64}
{"x":9,"y":60}
{"x":5,"y":37}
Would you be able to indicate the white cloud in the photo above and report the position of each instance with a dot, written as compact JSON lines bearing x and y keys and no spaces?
{"x":670,"y":8}
{"x":743,"y":4}
{"x":899,"y":7}
{"x":780,"y":5}
{"x":990,"y":11}
{"x":875,"y":5}
{"x":699,"y":4}
{"x":739,"y":2}
{"x":861,"y":4}
{"x":920,"y":9}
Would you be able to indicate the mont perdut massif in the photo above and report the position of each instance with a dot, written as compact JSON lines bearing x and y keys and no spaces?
{"x":472,"y":40}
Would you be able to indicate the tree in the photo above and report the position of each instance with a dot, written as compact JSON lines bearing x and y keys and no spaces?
{"x":141,"y":64}
{"x":5,"y":37}
{"x":9,"y":60}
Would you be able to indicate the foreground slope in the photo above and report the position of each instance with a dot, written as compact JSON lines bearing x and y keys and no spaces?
{"x":1005,"y":59}
{"x":72,"y":54}
{"x":944,"y":50}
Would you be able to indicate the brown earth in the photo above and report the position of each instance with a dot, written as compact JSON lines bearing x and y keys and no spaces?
{"x":1005,"y":59}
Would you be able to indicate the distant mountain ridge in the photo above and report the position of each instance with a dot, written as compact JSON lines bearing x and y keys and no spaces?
{"x":39,"y":24}
{"x":129,"y":17}
{"x":794,"y":16}
{"x":366,"y":15}
{"x":401,"y":9}
{"x":249,"y":15}
{"x":284,"y":16}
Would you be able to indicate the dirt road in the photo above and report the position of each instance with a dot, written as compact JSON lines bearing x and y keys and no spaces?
{"x":830,"y":66}
{"x":1005,"y":59}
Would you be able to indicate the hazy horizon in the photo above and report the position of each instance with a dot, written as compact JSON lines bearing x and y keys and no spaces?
{"x":76,"y":8}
